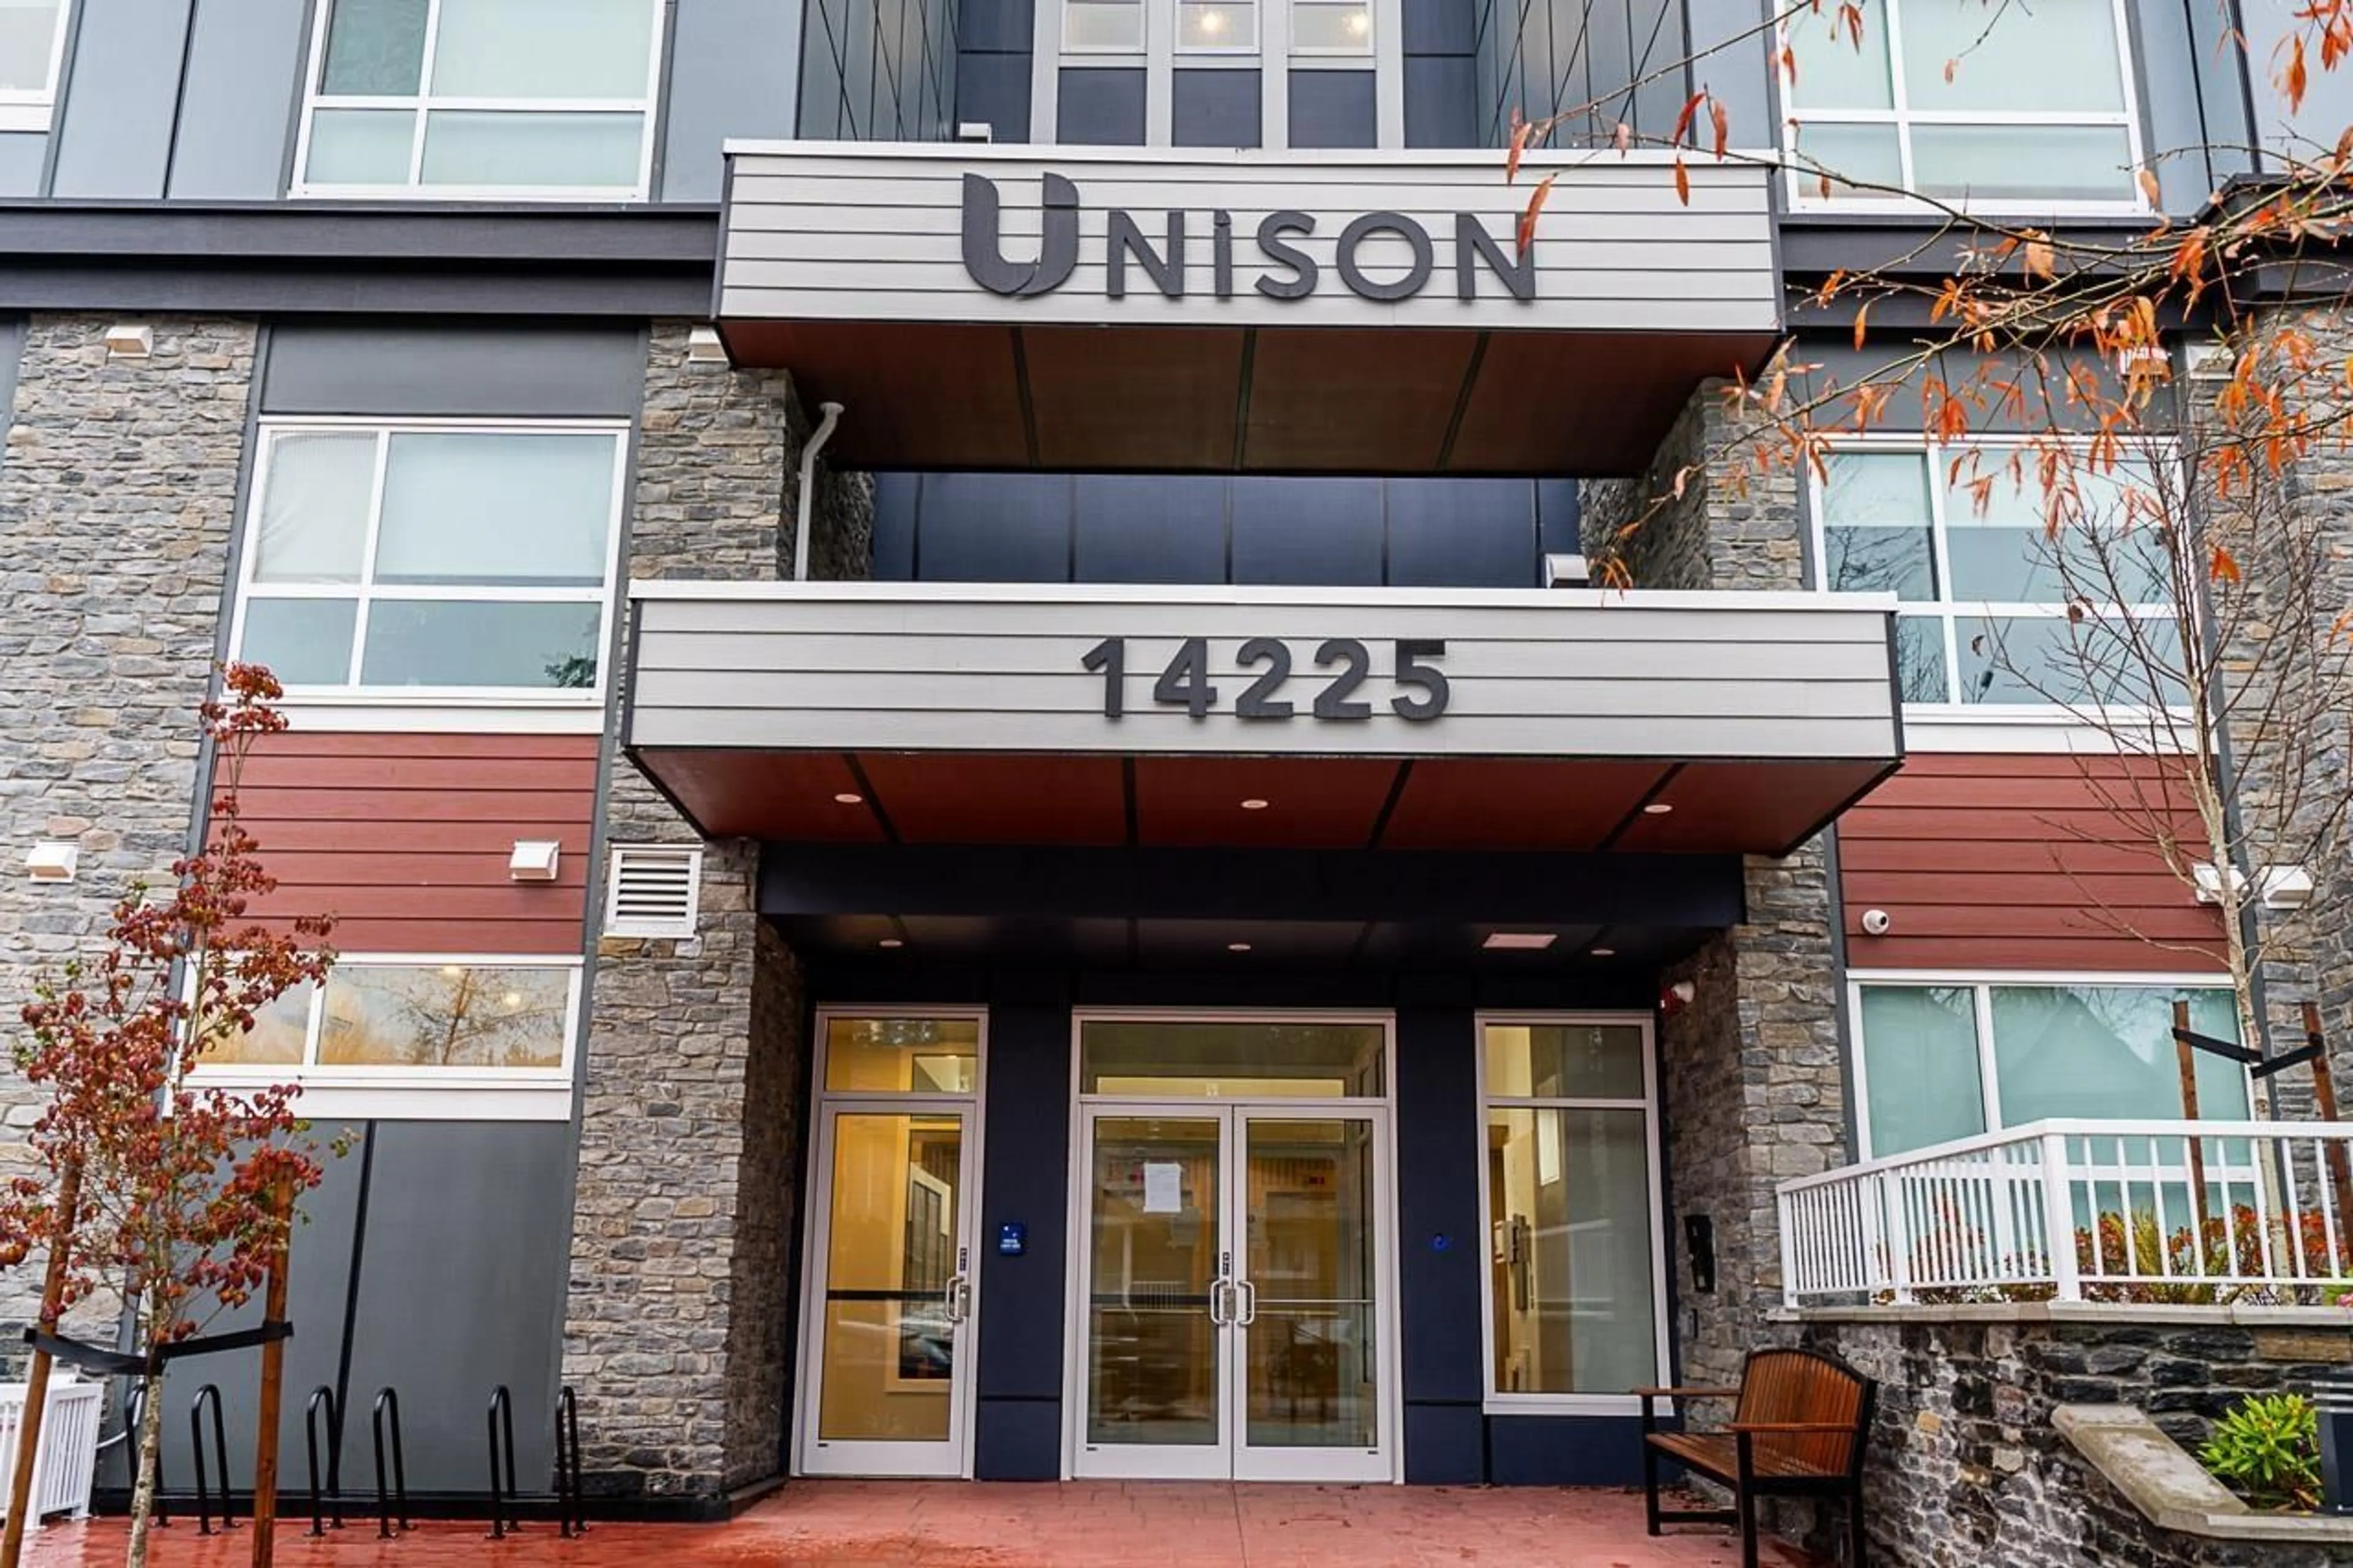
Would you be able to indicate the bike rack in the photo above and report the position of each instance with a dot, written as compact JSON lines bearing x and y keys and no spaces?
{"x":501,"y":1423}
{"x":572,"y":1519}
{"x":388,"y":1401}
{"x":324,"y":1397}
{"x":207,"y":1397}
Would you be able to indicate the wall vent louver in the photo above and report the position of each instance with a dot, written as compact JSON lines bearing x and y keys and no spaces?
{"x":652,"y":890}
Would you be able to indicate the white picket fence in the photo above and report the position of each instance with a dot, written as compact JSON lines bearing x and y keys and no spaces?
{"x":2082,"y":1210}
{"x":67,"y":1459}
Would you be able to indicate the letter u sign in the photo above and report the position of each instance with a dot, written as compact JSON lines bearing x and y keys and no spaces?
{"x":984,"y":245}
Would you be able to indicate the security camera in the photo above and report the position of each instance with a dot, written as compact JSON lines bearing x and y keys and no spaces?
{"x":1876,"y":922}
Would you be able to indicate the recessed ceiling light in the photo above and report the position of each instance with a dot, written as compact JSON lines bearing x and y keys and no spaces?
{"x":1520,"y":941}
{"x":1604,"y":953}
{"x":1254,"y":803}
{"x":892,"y":942}
{"x":1237,"y":947}
{"x":1657,"y":808}
{"x":849,"y":797}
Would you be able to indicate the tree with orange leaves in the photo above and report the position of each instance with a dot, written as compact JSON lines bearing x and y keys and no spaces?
{"x":150,"y":1179}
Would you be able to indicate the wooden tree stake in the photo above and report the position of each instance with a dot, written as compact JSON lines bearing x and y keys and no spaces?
{"x":2188,"y":1056}
{"x":273,"y":1381}
{"x":36,"y":1383}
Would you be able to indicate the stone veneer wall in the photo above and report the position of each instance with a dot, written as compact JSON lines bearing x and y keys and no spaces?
{"x":1752,"y":1073}
{"x":1966,"y":1471}
{"x":677,"y":1325}
{"x":118,"y":498}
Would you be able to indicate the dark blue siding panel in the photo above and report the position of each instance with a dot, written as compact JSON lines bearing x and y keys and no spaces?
{"x":1564,"y":1450}
{"x":244,"y":90}
{"x":1018,"y":1440}
{"x":1151,"y":530}
{"x":1023,"y":1300}
{"x":1558,"y":518}
{"x":1002,"y":26}
{"x":1322,"y":532}
{"x":1442,"y":1240}
{"x":1216,"y":109}
{"x":114,"y":134}
{"x":1333,"y":109}
{"x":994,"y":528}
{"x":895,"y":495}
{"x":528,"y":372}
{"x":1439,"y":26}
{"x":1461,"y":533}
{"x":727,"y":79}
{"x":1439,"y":93}
{"x":1100,"y":107}
{"x":1445,"y":1445}
{"x":993,"y":90}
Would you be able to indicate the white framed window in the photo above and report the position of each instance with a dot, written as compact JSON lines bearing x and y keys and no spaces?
{"x":1989,"y":106}
{"x":547,"y":99}
{"x":1165,"y":39}
{"x":446,"y":563}
{"x":1575,"y":1262}
{"x":1938,"y":1056}
{"x":32,"y":57}
{"x":1998,"y":611}
{"x":400,"y":1033}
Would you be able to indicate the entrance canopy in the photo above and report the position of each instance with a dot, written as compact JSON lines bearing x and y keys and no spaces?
{"x":1098,"y":309}
{"x":1296,"y":719}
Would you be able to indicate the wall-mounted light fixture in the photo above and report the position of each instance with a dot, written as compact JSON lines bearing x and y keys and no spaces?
{"x":704,"y":348}
{"x":1568,"y":572}
{"x":2284,"y":887}
{"x":130,"y":339}
{"x":2209,"y":882}
{"x":533,"y":860}
{"x":53,"y":861}
{"x":974,"y":131}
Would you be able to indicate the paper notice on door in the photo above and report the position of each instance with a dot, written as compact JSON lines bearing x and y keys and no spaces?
{"x":1163,"y":1190}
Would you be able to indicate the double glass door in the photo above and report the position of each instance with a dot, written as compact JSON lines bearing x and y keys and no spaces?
{"x":1232,"y":1274}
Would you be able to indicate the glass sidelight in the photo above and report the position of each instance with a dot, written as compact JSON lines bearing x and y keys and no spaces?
{"x":886,"y":1360}
{"x":1234,"y":1269}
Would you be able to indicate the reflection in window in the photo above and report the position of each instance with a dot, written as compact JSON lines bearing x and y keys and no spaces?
{"x":1189,"y":1059}
{"x":462,"y":560}
{"x":2008,"y":595}
{"x":1936,"y":1057}
{"x":543,"y":97}
{"x":1987,"y":104}
{"x":910,"y":1055}
{"x":425,"y":1015}
{"x":1572,"y":1263}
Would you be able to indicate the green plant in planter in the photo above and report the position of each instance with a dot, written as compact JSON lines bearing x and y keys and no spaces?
{"x":2267,"y":1449}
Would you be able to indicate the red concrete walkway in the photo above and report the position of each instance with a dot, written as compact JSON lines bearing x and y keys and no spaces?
{"x":950,"y":1525}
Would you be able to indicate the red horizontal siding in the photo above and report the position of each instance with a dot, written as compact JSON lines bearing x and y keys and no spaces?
{"x":2022,"y":862}
{"x":404,"y":839}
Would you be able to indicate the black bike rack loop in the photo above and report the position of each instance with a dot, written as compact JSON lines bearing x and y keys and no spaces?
{"x":499,"y":1421}
{"x":209,"y":1398}
{"x":570,"y":1513}
{"x":322,"y":1398}
{"x":387,"y":1402}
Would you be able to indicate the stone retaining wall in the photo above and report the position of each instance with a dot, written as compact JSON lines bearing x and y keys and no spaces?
{"x":1966,"y":1470}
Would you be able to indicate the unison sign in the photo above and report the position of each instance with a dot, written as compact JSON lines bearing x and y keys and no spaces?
{"x":1183,"y":258}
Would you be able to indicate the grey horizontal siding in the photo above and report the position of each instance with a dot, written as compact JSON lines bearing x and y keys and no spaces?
{"x":835,"y":233}
{"x":1532,"y":673}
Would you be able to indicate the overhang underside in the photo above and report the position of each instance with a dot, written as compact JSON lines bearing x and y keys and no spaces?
{"x":978,"y":395}
{"x":1453,"y":804}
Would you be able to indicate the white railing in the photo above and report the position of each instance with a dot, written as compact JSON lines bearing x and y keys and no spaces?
{"x":67,"y":1459}
{"x":2184,"y":1212}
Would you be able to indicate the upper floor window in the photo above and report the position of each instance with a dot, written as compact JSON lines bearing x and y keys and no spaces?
{"x":540,"y":99}
{"x":1998,"y":606}
{"x":451,"y":561}
{"x":32,"y":54}
{"x":1966,"y":102}
{"x":1220,"y":73}
{"x":1940,"y":1059}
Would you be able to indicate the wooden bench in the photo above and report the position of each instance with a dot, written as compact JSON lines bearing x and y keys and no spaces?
{"x":1799,"y":1430}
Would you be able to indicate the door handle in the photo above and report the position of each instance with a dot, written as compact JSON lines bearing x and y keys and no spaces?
{"x":959,"y":1296}
{"x":1220,"y":1303}
{"x":1248,"y":1313}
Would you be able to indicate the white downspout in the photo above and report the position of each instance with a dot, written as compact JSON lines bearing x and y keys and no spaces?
{"x":830,"y":415}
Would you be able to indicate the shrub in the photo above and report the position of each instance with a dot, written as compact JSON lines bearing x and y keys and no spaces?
{"x":2267,"y":1449}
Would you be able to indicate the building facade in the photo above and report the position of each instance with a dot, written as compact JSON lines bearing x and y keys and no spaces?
{"x":1118,"y":905}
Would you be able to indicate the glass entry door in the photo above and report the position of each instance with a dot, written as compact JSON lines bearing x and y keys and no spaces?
{"x":887,"y":1337}
{"x":1233,"y":1268}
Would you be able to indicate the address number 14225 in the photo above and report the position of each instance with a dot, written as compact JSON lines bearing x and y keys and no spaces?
{"x":1184,"y":683}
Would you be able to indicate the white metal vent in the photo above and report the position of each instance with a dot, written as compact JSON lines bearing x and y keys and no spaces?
{"x":652,"y":890}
